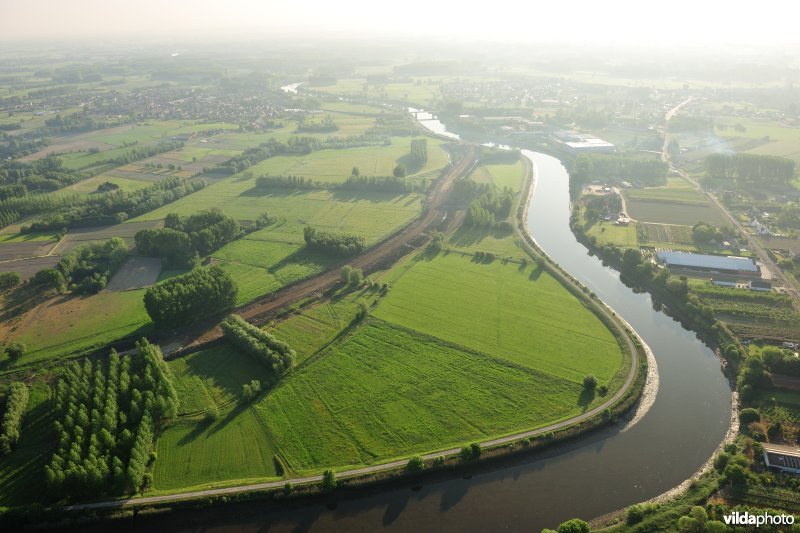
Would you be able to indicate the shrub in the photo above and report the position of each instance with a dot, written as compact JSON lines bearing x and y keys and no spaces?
{"x":8,"y":280}
{"x":329,"y":480}
{"x":211,"y":413}
{"x":415,"y":464}
{"x":748,"y":415}
{"x":15,"y":350}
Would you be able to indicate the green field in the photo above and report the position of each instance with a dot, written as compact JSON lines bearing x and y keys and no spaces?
{"x":260,"y":266}
{"x":608,"y":233}
{"x":193,"y":451}
{"x":90,"y":185}
{"x":333,"y":166}
{"x":499,"y":243}
{"x":67,"y":324}
{"x":676,"y":190}
{"x":234,"y":447}
{"x":432,"y":395}
{"x":522,"y":315}
{"x":665,"y":212}
{"x":373,"y":215}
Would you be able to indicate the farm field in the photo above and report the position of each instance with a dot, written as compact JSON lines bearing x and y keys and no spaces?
{"x":260,"y":266}
{"x":371,"y":214}
{"x":335,"y":166}
{"x":434,"y":395}
{"x":676,"y":190}
{"x":608,"y":233}
{"x":69,"y":324}
{"x":234,"y":447}
{"x":213,"y":376}
{"x":667,"y":212}
{"x":89,"y":186}
{"x":522,"y":315}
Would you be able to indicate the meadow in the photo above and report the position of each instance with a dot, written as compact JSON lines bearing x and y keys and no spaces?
{"x":607,"y":233}
{"x":520,"y":314}
{"x":676,"y":190}
{"x":667,"y":212}
{"x":68,"y":324}
{"x":335,"y":166}
{"x":374,"y":215}
{"x":433,"y":395}
{"x":234,"y":447}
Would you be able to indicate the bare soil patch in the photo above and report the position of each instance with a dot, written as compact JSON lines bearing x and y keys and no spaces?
{"x":135,"y":273}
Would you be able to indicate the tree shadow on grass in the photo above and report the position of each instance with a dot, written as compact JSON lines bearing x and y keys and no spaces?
{"x":303,"y":256}
{"x":585,"y":399}
{"x":465,"y":236}
{"x":536,"y":272}
{"x":374,"y":196}
{"x":198,"y":430}
{"x":259,"y":192}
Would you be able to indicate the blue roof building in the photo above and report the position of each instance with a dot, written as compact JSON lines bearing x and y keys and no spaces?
{"x":725,"y":264}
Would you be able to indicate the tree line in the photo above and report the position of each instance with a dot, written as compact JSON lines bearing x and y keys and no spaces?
{"x":198,"y":294}
{"x":353,"y":182}
{"x":616,"y":168}
{"x":137,"y":154}
{"x":418,"y":155}
{"x":183,"y":239}
{"x":11,"y":425}
{"x":277,"y":355}
{"x":115,"y":207}
{"x":106,"y":416}
{"x":18,"y":178}
{"x":491,"y":209}
{"x":750,"y":168}
{"x":341,"y":244}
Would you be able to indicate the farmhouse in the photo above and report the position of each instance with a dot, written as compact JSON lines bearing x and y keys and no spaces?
{"x":785,"y":458}
{"x":723,"y":264}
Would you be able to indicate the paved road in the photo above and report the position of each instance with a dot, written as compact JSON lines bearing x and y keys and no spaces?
{"x":431,"y":216}
{"x":752,"y":241}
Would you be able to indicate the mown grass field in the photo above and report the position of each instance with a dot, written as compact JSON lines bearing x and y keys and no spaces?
{"x":335,"y":166}
{"x":89,"y":186}
{"x":668,"y":212}
{"x":67,"y":324}
{"x":522,"y":315}
{"x":213,"y":377}
{"x":373,"y":215}
{"x":234,"y":447}
{"x":260,"y":266}
{"x":608,"y":233}
{"x":194,"y":451}
{"x":676,"y":190}
{"x":432,"y":395}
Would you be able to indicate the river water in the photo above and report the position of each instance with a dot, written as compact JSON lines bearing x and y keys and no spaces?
{"x":594,"y":475}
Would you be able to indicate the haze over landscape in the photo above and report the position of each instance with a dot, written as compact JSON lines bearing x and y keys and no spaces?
{"x":676,"y":23}
{"x":296,"y":265}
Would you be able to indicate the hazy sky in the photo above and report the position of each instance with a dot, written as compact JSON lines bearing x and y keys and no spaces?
{"x":612,"y":21}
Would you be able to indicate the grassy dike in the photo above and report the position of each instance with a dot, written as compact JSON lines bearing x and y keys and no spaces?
{"x":436,"y":464}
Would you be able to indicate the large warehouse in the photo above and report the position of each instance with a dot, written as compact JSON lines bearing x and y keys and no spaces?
{"x":723,"y":264}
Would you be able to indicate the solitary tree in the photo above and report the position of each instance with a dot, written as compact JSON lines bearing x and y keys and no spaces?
{"x":328,"y":480}
{"x":400,"y":171}
{"x":589,"y":382}
{"x":15,"y":350}
{"x":415,"y":464}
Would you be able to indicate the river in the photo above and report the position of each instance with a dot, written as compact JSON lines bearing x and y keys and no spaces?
{"x":594,"y":475}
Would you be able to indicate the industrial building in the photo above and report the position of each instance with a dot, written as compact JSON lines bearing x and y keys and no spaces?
{"x":785,"y":458}
{"x":580,"y":143}
{"x":722,"y":264}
